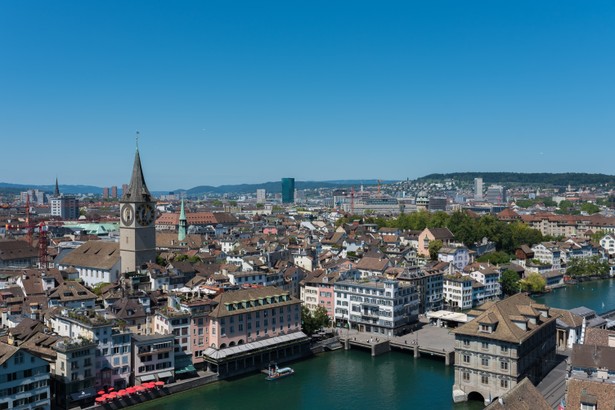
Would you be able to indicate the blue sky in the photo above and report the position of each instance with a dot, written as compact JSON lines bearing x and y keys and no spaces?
{"x":228,"y":92}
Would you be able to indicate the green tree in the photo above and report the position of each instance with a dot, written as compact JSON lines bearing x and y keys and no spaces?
{"x":311,"y":323}
{"x":594,"y":266}
{"x":590,"y":208}
{"x":97,"y":289}
{"x":434,"y":247}
{"x":534,"y":282}
{"x":596,"y":236}
{"x":495,"y":258}
{"x":510,"y":282}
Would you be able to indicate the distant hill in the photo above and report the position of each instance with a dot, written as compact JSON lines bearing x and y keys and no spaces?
{"x":65,"y":189}
{"x":274,"y":187}
{"x":543,"y":178}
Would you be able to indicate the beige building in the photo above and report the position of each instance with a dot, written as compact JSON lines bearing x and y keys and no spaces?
{"x":503,"y":343}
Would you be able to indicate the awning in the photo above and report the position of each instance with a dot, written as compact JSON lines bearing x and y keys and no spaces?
{"x":186,"y":369}
{"x":164,"y":375}
{"x":83,"y":394}
{"x":147,"y":378}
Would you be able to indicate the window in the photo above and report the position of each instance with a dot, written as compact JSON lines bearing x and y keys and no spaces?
{"x":504,"y":349}
{"x":484,"y":379}
{"x":466,"y":358}
{"x":504,"y":384}
{"x":485,"y":345}
{"x":466,"y":376}
{"x":466,"y":343}
{"x":588,"y":406}
{"x":484,"y":361}
{"x":504,"y":365}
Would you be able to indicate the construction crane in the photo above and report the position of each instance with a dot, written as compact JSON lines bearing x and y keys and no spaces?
{"x":30,"y":228}
{"x":352,"y":200}
{"x":42,"y":246}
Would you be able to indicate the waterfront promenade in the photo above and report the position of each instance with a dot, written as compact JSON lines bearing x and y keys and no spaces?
{"x":427,"y":340}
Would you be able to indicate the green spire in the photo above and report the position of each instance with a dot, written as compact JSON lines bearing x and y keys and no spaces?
{"x":181,"y":231}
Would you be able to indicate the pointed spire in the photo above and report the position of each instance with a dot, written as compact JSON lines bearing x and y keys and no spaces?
{"x":182,"y":212}
{"x":56,"y":191}
{"x":137,"y":189}
{"x":181,"y":231}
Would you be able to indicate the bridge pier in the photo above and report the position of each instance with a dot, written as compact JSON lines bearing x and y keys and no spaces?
{"x":449,"y":358}
{"x":416,"y":351}
{"x":379,"y":348}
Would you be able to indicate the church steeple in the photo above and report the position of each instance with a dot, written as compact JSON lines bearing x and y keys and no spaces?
{"x":181,"y":231}
{"x":56,"y":191}
{"x":137,"y":189}
{"x":137,"y":222}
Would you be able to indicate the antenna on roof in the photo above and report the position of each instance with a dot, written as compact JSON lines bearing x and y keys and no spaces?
{"x":137,"y":140}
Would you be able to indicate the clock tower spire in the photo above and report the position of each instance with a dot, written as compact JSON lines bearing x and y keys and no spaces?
{"x":137,"y":221}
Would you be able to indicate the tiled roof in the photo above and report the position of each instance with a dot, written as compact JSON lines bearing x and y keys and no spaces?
{"x":524,"y":396}
{"x":14,"y":249}
{"x":250,"y":294}
{"x":603,"y":394}
{"x":505,"y":311}
{"x":94,"y":254}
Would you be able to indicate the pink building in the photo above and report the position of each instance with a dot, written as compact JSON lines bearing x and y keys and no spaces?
{"x":251,"y":315}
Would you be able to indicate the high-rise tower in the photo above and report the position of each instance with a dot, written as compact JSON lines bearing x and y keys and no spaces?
{"x":288,"y":190}
{"x":137,"y":222}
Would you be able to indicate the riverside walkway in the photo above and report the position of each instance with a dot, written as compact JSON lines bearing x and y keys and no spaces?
{"x":428,"y":340}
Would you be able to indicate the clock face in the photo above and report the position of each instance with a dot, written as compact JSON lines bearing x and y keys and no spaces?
{"x":127,"y":215}
{"x":145,"y":214}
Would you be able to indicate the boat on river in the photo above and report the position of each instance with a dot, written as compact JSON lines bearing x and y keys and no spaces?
{"x":274,"y":372}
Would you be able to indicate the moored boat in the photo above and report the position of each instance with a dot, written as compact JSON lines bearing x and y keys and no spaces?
{"x":274,"y":372}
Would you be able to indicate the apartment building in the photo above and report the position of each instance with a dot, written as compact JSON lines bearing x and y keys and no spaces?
{"x":24,"y":380}
{"x":388,"y":307}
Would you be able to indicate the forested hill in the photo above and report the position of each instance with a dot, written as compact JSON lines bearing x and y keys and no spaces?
{"x":539,"y":178}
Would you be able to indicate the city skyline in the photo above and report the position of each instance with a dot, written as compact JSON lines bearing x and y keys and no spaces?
{"x":239,"y":93}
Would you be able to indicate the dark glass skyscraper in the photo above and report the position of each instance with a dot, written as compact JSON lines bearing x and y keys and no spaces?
{"x":288,"y":190}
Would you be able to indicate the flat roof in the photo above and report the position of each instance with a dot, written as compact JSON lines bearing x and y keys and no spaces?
{"x":448,"y":315}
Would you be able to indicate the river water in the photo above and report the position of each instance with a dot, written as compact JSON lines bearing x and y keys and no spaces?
{"x":355,"y":380}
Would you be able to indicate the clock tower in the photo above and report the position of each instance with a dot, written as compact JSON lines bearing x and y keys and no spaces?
{"x":137,"y":222}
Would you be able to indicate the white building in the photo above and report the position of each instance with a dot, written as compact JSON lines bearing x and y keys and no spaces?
{"x":458,"y":291}
{"x":478,"y":189}
{"x":261,"y":196}
{"x":96,"y":262}
{"x":608,"y":244}
{"x":113,"y":345}
{"x":387,"y":307}
{"x":24,"y":380}
{"x":489,"y":276}
{"x":458,"y":256}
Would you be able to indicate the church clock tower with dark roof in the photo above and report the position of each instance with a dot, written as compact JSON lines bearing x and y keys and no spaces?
{"x":137,"y":222}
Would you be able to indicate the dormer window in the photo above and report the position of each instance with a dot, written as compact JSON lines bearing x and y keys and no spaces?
{"x":486,"y":328}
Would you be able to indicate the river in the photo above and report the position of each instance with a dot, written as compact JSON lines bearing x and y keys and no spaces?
{"x":598,"y":295}
{"x":355,"y":380}
{"x":350,"y":379}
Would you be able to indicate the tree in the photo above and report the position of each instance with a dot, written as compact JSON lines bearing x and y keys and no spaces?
{"x":593,"y":266}
{"x":510,"y":282}
{"x":311,"y":323}
{"x":534,"y":282}
{"x":434,"y":247}
{"x":590,"y":208}
{"x":494,"y":258}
